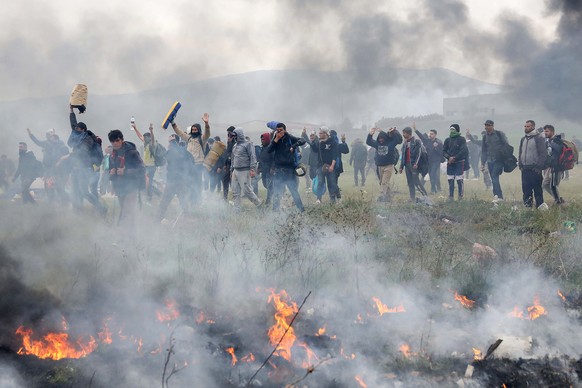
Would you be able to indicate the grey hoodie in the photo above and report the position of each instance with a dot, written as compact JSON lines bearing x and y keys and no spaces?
{"x":243,"y":153}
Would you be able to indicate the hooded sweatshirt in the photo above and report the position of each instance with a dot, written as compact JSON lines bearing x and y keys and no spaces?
{"x":127,"y":157}
{"x":386,"y":153}
{"x":243,"y":153}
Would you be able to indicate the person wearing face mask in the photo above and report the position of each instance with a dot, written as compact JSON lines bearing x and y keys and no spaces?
{"x":456,"y":153}
{"x":386,"y":157}
{"x":195,"y":144}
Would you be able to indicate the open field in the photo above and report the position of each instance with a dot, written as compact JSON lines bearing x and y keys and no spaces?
{"x":169,"y":301}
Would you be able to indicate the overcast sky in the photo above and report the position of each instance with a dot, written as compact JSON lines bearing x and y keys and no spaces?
{"x":120,"y":47}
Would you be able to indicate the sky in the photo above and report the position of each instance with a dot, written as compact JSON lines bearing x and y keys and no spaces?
{"x":123,"y":47}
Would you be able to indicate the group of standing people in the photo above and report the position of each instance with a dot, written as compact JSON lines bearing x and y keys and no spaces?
{"x":239,"y":166}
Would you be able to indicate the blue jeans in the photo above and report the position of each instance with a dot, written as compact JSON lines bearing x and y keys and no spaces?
{"x":285,"y":177}
{"x":495,"y":170}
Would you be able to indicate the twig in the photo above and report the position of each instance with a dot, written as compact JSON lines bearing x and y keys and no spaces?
{"x":310,"y":370}
{"x":91,"y":380}
{"x":278,"y":343}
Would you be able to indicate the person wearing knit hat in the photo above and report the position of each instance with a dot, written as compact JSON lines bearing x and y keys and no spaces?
{"x":456,"y":153}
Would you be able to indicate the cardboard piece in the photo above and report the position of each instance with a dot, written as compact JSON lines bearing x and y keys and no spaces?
{"x":78,"y":97}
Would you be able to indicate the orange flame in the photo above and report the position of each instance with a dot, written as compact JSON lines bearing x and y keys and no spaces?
{"x":350,"y":357}
{"x":562,"y":296}
{"x":534,"y":312}
{"x":231,"y":352}
{"x":405,"y":350}
{"x":477,"y":354}
{"x":55,"y":346}
{"x":383,"y":309}
{"x":361,"y":382}
{"x":283,"y":315}
{"x":171,"y":311}
{"x":248,"y":358}
{"x":105,"y":335}
{"x":466,"y":302}
{"x":321,"y":331}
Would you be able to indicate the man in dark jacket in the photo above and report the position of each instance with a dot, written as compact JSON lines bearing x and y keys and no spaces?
{"x":434,"y":150}
{"x":532,"y":161}
{"x":326,"y":150}
{"x":494,"y":142}
{"x":283,"y":146}
{"x":410,"y":162}
{"x":53,"y":150}
{"x":83,"y":164}
{"x":127,"y":174}
{"x":266,"y":166}
{"x":358,"y":159}
{"x":386,"y":157}
{"x":457,"y":155}
{"x":342,"y":148}
{"x":224,"y":162}
{"x":28,"y":170}
{"x":552,"y":175}
{"x":178,"y":159}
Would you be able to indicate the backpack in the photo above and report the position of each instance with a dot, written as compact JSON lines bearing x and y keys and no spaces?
{"x":96,"y":152}
{"x":568,"y":157}
{"x":423,"y":160}
{"x":506,"y":153}
{"x":159,"y":155}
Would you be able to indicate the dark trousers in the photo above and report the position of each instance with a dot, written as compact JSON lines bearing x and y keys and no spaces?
{"x":80,"y":179}
{"x":414,"y":181}
{"x":151,"y":189}
{"x":531,"y":182}
{"x":285,"y":177}
{"x":434,"y":173}
{"x":226,"y":181}
{"x":195,"y":184}
{"x":330,"y":178}
{"x":267,"y":180}
{"x":495,"y":170}
{"x":25,"y":190}
{"x":360,"y":169}
{"x":174,"y":187}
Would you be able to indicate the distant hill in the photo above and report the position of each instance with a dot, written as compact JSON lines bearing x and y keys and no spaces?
{"x":301,"y":96}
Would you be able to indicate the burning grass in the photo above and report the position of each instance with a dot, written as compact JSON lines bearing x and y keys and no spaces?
{"x":397,"y":299}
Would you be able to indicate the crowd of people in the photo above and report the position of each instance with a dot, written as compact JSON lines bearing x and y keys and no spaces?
{"x":193,"y":161}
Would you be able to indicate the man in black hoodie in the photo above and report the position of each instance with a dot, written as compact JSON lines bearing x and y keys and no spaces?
{"x":386,"y":157}
{"x":127,"y":174}
{"x":28,"y":170}
{"x":283,"y":146}
{"x":327,"y":153}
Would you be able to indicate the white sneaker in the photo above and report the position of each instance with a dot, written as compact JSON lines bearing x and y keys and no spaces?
{"x":543,"y":206}
{"x":496,"y":199}
{"x":318,"y":202}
